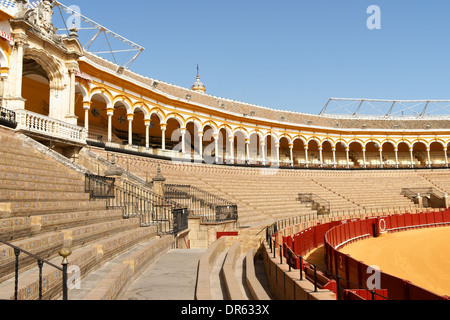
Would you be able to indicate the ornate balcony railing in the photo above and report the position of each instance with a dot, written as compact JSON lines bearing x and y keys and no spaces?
{"x":38,"y":124}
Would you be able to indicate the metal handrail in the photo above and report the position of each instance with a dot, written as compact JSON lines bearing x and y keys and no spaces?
{"x":41,"y":263}
{"x":201,"y":203}
{"x":320,"y":204}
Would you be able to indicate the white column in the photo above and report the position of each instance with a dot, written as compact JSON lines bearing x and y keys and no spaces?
{"x":429,"y":157}
{"x":110,"y":113}
{"x":263,"y":154}
{"x":183,"y":141}
{"x":334,"y":157}
{"x":277,"y":149}
{"x":200,"y":143}
{"x":306,"y":156}
{"x":20,"y":41}
{"x":411,"y":155}
{"x":147,"y":133}
{"x":446,"y":157}
{"x":381,"y":157}
{"x":396,"y":157}
{"x":247,"y":150}
{"x":72,"y":72}
{"x":86,"y":107}
{"x":130,"y":129}
{"x":291,"y":152}
{"x":321,"y":156}
{"x":216,"y":147}
{"x":163,"y":136}
{"x":364,"y":157}
{"x":231,"y":153}
{"x":347,"y":149}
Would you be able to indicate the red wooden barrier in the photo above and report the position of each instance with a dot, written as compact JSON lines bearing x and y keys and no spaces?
{"x":439,"y":217}
{"x":226,"y":234}
{"x":446,"y":215}
{"x":408,"y":220}
{"x":335,"y":233}
{"x":365,"y":295}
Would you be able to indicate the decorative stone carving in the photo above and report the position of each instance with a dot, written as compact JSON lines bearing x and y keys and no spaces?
{"x":41,"y":18}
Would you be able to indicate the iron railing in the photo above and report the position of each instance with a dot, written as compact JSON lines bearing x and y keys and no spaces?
{"x":99,"y":187}
{"x":412,"y":193}
{"x":318,"y":204}
{"x":8,"y":118}
{"x":40,"y":264}
{"x":210,"y":207}
{"x":138,"y":201}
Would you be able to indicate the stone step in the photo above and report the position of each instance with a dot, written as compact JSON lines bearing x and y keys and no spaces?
{"x":83,"y":260}
{"x":47,"y":245}
{"x":21,"y":227}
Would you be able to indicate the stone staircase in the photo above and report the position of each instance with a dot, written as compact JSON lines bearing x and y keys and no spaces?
{"x":44,"y":208}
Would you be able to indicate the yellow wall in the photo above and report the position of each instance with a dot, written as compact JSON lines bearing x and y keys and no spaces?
{"x":37,"y":95}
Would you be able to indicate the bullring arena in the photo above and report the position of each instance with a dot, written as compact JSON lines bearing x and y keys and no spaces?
{"x":106,"y":174}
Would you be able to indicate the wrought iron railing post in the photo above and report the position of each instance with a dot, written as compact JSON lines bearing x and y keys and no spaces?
{"x":40,"y":264}
{"x":64,"y":253}
{"x":16,"y":276}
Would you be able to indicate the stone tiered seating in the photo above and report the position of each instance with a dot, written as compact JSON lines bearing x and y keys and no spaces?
{"x":269,"y":194}
{"x":44,"y":208}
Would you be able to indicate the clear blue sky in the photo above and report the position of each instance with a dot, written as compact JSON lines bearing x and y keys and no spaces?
{"x":288,"y":54}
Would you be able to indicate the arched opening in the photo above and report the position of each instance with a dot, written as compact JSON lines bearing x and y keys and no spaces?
{"x":155,"y":132}
{"x":373,"y":154}
{"x":356,"y":154}
{"x":255,"y":148}
{"x":404,"y":156}
{"x":299,"y":153}
{"x":341,"y":155}
{"x":173,"y":135}
{"x":420,"y":154}
{"x":437,"y":154}
{"x":138,"y":128}
{"x":120,"y":123}
{"x":313,"y":154}
{"x":285,"y":152}
{"x":35,"y":87}
{"x":327,"y":154}
{"x":98,"y":117}
{"x":208,"y":144}
{"x":270,"y":150}
{"x":389,"y":154}
{"x":239,"y":147}
{"x":223,"y":144}
{"x":191,"y":140}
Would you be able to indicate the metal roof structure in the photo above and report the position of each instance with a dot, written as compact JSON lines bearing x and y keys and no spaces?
{"x":377,"y":108}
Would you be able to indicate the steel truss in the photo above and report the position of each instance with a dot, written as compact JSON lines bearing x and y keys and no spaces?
{"x":360,"y":108}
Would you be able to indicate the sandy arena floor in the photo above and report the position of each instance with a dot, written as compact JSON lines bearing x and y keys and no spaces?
{"x":421,"y":256}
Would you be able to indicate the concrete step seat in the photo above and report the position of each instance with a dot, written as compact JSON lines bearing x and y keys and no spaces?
{"x":29,"y":163}
{"x":21,"y":227}
{"x":36,"y":178}
{"x":24,"y":195}
{"x":47,"y":245}
{"x":30,"y":208}
{"x":17,"y":184}
{"x":85,"y":259}
{"x":38,"y":171}
{"x":112,"y":279}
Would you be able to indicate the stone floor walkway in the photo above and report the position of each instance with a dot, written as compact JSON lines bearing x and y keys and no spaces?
{"x":172,"y":277}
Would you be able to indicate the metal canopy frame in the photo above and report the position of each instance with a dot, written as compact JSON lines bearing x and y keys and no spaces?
{"x":387,"y":108}
{"x":101,"y":30}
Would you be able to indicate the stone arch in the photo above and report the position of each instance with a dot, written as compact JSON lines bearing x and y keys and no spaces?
{"x":51,"y":66}
{"x":177,"y":117}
